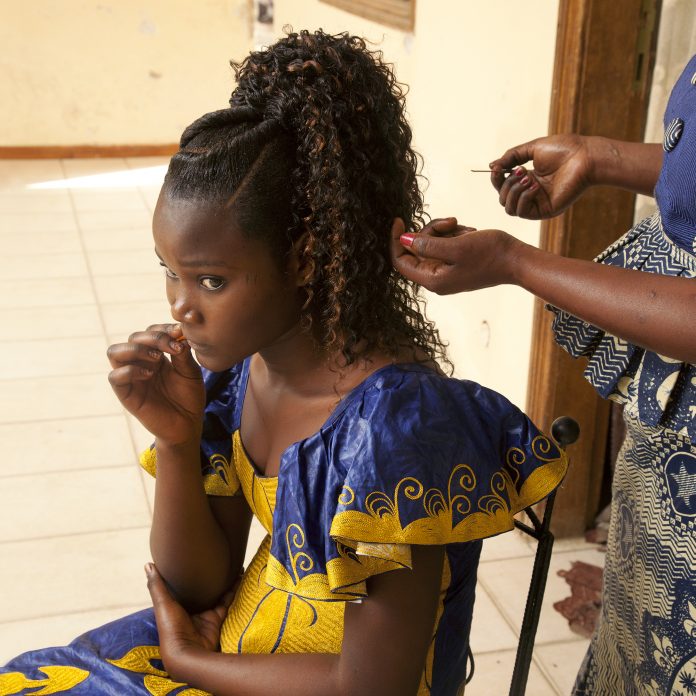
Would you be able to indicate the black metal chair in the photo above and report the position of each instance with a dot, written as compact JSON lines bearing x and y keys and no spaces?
{"x":565,"y":431}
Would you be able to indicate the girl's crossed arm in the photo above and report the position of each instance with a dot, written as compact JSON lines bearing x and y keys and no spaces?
{"x":385,"y":642}
{"x":197,"y":541}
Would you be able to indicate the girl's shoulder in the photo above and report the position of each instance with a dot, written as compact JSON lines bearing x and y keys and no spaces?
{"x":417,"y":402}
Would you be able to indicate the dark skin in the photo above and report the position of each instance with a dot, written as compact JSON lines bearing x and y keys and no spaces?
{"x":653,"y":311}
{"x":230,"y":299}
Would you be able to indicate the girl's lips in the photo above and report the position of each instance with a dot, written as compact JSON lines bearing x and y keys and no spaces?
{"x":198,"y":347}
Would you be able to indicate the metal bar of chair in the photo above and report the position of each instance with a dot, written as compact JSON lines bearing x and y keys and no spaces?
{"x":565,"y":432}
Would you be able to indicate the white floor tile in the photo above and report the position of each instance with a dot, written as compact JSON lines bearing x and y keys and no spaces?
{"x":88,"y":200}
{"x":72,"y":502}
{"x":44,"y":398}
{"x":17,"y":175}
{"x":114,"y":219}
{"x":141,"y":438}
{"x":110,"y":263}
{"x":121,"y":320}
{"x":141,"y":162}
{"x":130,"y":288}
{"x":86,"y":166}
{"x":48,"y":242}
{"x":39,"y":265}
{"x":490,"y":631}
{"x":256,"y":535}
{"x":85,"y":572}
{"x":50,"y":322}
{"x":25,"y":201}
{"x":47,"y":221}
{"x":150,"y":196}
{"x":53,"y":357}
{"x":493,"y":673}
{"x":121,"y":239}
{"x":513,"y":544}
{"x":17,"y":637}
{"x":46,"y":292}
{"x":561,"y":662}
{"x":507,"y":582}
{"x":61,"y":445}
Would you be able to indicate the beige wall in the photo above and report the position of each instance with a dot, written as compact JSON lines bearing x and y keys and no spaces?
{"x":114,"y":71}
{"x":480,"y":77}
{"x":122,"y":71}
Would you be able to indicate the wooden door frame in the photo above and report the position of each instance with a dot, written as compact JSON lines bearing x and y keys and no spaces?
{"x":605,"y":53}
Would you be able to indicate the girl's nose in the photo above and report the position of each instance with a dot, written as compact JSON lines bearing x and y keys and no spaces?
{"x":182,"y":310}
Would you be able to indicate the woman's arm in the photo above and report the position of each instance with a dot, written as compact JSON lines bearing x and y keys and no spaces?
{"x":385,"y":643}
{"x":564,"y":166}
{"x":653,"y":311}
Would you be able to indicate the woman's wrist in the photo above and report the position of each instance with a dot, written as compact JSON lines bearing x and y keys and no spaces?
{"x":631,"y":166}
{"x":516,"y":260}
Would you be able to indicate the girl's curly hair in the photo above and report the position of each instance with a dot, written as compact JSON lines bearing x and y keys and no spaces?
{"x":315,"y":149}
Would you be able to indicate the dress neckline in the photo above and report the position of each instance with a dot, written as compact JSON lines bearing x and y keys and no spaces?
{"x":356,"y":392}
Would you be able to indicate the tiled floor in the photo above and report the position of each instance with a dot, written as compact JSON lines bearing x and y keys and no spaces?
{"x":77,"y":272}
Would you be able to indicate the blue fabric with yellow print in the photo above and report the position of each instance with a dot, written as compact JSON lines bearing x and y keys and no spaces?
{"x":408,"y":457}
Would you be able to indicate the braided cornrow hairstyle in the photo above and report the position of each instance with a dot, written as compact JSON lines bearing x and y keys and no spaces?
{"x":315,"y":147}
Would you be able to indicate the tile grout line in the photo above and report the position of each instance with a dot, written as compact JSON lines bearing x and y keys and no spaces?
{"x":102,"y":320}
{"x":71,"y":613}
{"x":46,"y":472}
{"x":72,"y":535}
{"x":516,"y":633}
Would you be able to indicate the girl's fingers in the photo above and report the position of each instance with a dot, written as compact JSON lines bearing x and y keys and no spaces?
{"x":162,"y":600}
{"x":126,"y":375}
{"x":124,"y":353}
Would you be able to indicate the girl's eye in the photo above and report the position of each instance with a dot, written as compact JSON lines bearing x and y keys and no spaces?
{"x":167,"y":272}
{"x":212,"y":283}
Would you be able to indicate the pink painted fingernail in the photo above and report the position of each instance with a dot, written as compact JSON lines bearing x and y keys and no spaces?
{"x":407,"y":239}
{"x":524,"y":181}
{"x":519,"y":171}
{"x":534,"y":186}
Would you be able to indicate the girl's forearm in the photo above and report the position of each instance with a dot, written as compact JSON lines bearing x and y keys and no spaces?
{"x":632,"y":166}
{"x":653,"y":311}
{"x":222,"y":674}
{"x":186,"y":542}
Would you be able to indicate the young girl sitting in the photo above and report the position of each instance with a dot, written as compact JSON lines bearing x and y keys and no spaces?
{"x":320,"y":408}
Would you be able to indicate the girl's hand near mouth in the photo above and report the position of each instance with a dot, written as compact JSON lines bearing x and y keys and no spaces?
{"x":156,"y":379}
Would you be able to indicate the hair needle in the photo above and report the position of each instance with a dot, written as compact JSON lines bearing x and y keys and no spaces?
{"x":502,"y":171}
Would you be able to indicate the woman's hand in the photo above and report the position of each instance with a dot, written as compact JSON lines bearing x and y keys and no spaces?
{"x":446,"y":257}
{"x":181,"y":634}
{"x":156,"y":378}
{"x":563,"y":169}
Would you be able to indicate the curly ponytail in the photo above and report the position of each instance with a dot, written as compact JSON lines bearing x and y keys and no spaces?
{"x":324,"y":115}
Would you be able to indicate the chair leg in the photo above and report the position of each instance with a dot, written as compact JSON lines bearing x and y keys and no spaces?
{"x":532,"y":611}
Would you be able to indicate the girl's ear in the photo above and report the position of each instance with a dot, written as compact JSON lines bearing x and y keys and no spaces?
{"x":300,"y":262}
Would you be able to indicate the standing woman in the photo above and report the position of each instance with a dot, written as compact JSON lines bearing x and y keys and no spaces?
{"x":633,"y":316}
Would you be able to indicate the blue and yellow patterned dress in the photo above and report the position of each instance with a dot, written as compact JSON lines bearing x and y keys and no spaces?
{"x":408,"y":457}
{"x":645,"y":643}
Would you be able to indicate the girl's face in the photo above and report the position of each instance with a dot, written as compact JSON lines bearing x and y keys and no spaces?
{"x":225,"y":289}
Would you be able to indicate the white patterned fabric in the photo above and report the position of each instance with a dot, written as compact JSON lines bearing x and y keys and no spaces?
{"x":645,"y":644}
